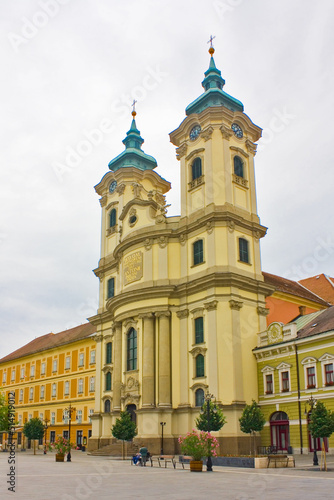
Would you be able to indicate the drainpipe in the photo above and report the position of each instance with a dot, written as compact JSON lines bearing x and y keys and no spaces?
{"x":299,"y":404}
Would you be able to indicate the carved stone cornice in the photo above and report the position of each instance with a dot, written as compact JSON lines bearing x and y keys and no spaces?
{"x":211,"y":306}
{"x":109,"y":336}
{"x":236,"y":304}
{"x":103,"y":201}
{"x":141,"y":203}
{"x":120,"y":189}
{"x":251,"y":147}
{"x":207,"y":133}
{"x":184,"y":313}
{"x":240,"y":151}
{"x":147,"y":315}
{"x":196,"y":152}
{"x":198,"y":311}
{"x":98,"y":337}
{"x":262,"y":311}
{"x":160,"y":314}
{"x":112,"y":204}
{"x":117,"y":325}
{"x":108,"y":368}
{"x":130,"y":322}
{"x":256,"y":234}
{"x":181,"y":151}
{"x":226,"y":132}
{"x":195,"y":351}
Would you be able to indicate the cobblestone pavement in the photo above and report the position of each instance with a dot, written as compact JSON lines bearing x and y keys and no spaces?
{"x":87,"y":477}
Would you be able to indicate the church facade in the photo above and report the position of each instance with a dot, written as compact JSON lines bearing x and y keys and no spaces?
{"x":181,"y":298}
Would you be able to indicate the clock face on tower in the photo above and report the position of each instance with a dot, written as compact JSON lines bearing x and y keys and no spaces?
{"x":194,"y":132}
{"x":112,"y":186}
{"x":237,"y":130}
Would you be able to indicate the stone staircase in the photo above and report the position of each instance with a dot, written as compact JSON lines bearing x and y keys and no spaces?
{"x":115,"y":450}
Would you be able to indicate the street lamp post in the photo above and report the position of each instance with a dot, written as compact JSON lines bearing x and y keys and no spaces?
{"x":162,"y":437}
{"x":69,"y":412}
{"x":46,"y":421}
{"x":312,"y":403}
{"x":208,"y":398}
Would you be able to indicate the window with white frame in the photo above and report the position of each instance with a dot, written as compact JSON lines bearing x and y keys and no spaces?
{"x":67,"y":362}
{"x":42,"y":391}
{"x":327,"y":369}
{"x":285,"y":381}
{"x":268,"y":380}
{"x":92,"y":384}
{"x":41,"y":416}
{"x":91,"y":411}
{"x":54,"y":390}
{"x":65,"y":417}
{"x":284,"y":377}
{"x":4,"y":377}
{"x":30,"y":416}
{"x":54,"y":365}
{"x":32,"y":371}
{"x":66,"y":388}
{"x":310,"y":372}
{"x":92,"y":356}
{"x":21,"y":395}
{"x":31,"y":393}
{"x":22,"y":373}
{"x":13,"y":375}
{"x":79,"y":416}
{"x":81,"y":359}
{"x":20,"y":419}
{"x":329,"y":375}
{"x":80,"y":386}
{"x":42,"y":368}
{"x":53,"y":418}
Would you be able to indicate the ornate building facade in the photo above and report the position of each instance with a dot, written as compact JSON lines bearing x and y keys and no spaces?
{"x":181,"y":298}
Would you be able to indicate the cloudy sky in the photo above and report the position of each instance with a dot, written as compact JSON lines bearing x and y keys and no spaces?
{"x":71,"y":68}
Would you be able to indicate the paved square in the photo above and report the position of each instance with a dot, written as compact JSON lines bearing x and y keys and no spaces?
{"x":88,"y":477}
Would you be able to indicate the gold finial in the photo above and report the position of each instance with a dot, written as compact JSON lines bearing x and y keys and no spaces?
{"x":133,"y":108}
{"x":211,"y":49}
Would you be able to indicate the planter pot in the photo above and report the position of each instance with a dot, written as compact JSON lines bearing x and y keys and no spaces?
{"x":60,"y":457}
{"x":196,"y":465}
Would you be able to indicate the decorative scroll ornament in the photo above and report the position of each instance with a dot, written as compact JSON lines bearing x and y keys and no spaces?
{"x":251,"y":147}
{"x":236,"y":304}
{"x":148,"y":243}
{"x":211,"y":306}
{"x":162,"y":241}
{"x":120,"y":189}
{"x":209,"y":227}
{"x":184,"y":313}
{"x":207,"y":133}
{"x":231,"y":225}
{"x":181,"y":151}
{"x":226,"y":132}
{"x":262,"y":311}
{"x":182,"y":239}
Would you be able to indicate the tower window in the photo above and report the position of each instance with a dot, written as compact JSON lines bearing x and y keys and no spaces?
{"x":243,"y":250}
{"x":199,"y":334}
{"x":196,"y":168}
{"x":112,"y":218}
{"x":108,"y":381}
{"x":107,"y":406}
{"x":111,"y":288}
{"x":199,"y":397}
{"x":200,"y":365}
{"x":238,"y":166}
{"x":132,"y":349}
{"x":108,"y":353}
{"x":198,"y":252}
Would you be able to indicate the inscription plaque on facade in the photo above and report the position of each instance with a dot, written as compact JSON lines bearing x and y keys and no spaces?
{"x":133,"y":267}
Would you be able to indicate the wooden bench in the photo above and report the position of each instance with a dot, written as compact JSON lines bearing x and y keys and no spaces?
{"x":184,"y":459}
{"x":166,"y":459}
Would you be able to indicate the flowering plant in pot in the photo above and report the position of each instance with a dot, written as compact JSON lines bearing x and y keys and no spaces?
{"x":61,"y":445}
{"x":198,"y":445}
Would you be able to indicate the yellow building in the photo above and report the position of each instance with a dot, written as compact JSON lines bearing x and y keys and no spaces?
{"x":295,"y":363}
{"x":181,"y":298}
{"x":47,"y":375}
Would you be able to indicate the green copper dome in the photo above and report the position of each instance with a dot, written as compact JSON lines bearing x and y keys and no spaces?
{"x":214,"y":94}
{"x":133,"y":156}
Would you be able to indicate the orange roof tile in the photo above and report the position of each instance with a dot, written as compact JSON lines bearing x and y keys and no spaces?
{"x":292,"y":288}
{"x":51,"y":340}
{"x":322,"y":285}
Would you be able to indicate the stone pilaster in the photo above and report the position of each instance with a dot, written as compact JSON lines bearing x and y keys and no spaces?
{"x":183,"y":353}
{"x":116,"y":386}
{"x":164,"y":375}
{"x":148,"y":389}
{"x":237,"y":375}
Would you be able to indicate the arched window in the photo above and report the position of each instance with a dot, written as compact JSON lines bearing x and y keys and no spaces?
{"x":199,"y":330}
{"x":196,"y":168}
{"x":200,"y":365}
{"x":107,"y":406}
{"x":132,"y":349}
{"x":108,"y":381}
{"x":108,"y":353}
{"x":112,"y":218}
{"x":199,"y":397}
{"x":238,"y":166}
{"x":243,"y":250}
{"x":198,"y":252}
